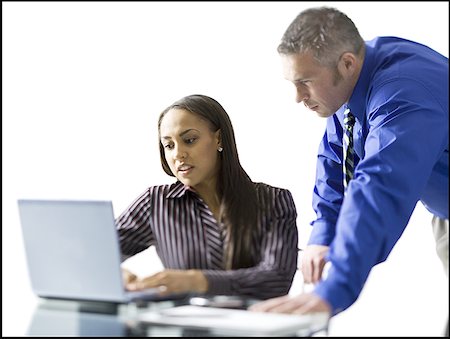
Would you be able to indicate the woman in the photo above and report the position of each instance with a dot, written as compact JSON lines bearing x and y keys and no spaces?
{"x":215,"y":231}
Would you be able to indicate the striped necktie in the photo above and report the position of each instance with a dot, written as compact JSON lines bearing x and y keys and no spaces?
{"x":348,"y":163}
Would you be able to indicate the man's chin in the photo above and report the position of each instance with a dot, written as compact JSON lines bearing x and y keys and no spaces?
{"x":323,"y":114}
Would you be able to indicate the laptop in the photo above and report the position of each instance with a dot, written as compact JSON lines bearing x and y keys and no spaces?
{"x":73,"y":252}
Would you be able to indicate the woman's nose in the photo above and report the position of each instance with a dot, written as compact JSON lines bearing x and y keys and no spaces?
{"x":179,"y":153}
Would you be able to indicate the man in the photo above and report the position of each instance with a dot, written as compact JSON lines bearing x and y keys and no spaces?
{"x":385,"y":148}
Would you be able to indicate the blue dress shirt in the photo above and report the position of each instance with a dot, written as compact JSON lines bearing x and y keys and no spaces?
{"x":401,"y":154}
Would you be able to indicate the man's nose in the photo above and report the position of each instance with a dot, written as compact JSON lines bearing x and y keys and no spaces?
{"x":301,"y":95}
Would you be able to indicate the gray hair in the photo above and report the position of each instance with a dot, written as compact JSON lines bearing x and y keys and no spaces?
{"x":323,"y":31}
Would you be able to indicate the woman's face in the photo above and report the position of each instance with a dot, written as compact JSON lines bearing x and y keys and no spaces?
{"x":190,"y":148}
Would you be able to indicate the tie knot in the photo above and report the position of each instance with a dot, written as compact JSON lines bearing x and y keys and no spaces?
{"x":349,"y":118}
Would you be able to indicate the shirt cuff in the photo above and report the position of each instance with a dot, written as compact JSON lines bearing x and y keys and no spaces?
{"x":322,"y":233}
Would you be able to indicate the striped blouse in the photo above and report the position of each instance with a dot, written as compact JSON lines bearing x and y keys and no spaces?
{"x":175,"y":220}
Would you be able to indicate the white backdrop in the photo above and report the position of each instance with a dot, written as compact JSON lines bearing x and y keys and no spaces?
{"x":84,"y":82}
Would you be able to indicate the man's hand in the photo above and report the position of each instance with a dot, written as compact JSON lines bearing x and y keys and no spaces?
{"x":313,"y":262}
{"x":172,"y":281}
{"x":300,"y":304}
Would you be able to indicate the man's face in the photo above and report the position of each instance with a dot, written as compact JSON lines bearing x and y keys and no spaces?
{"x":321,"y":89}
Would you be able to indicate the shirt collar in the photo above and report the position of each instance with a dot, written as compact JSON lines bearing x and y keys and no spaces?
{"x":357,"y":102}
{"x":178,"y":190}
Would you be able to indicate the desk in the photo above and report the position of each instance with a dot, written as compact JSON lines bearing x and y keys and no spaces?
{"x":71,"y":318}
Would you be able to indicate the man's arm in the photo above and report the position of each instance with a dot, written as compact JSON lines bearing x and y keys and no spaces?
{"x":327,"y":200}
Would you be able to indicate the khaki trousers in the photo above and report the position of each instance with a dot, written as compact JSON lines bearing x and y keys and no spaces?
{"x":440,"y":231}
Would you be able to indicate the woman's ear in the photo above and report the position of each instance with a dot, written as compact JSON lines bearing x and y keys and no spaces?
{"x":219,"y":138}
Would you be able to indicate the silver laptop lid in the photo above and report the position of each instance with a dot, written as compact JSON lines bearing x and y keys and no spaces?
{"x":72,"y":249}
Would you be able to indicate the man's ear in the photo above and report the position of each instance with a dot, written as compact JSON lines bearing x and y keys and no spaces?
{"x":347,"y":63}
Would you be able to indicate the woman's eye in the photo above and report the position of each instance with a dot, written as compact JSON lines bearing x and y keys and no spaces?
{"x":168,"y":146}
{"x":190,"y":140}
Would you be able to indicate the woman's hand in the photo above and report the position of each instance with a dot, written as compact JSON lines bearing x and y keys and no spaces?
{"x":128,"y":277}
{"x":172,"y":281}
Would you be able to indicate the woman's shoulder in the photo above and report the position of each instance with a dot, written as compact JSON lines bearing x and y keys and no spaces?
{"x":270,"y":194}
{"x":263,"y":187}
{"x":274,"y":199}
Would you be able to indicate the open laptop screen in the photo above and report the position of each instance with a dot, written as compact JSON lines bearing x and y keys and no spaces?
{"x":72,"y":249}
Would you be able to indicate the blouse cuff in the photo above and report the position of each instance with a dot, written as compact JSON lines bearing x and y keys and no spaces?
{"x":217,"y":283}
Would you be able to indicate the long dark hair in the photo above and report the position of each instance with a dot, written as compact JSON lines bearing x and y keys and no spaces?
{"x":236,"y":191}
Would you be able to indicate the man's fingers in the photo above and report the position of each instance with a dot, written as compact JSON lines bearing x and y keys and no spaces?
{"x":317,"y":271}
{"x":300,"y":304}
{"x":289,"y":306}
{"x":307,"y":270}
{"x":267,"y":305}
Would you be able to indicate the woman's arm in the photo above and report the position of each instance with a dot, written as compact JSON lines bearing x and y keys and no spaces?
{"x":274,"y":273}
{"x":133,"y":226}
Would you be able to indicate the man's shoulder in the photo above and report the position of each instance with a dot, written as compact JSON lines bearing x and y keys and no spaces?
{"x":390,"y":40}
{"x":401,"y":49}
